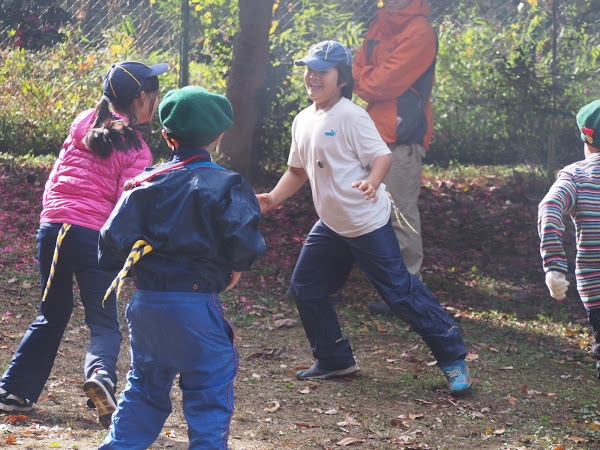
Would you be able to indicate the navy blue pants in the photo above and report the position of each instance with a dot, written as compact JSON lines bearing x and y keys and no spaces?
{"x":30,"y":367}
{"x":323,"y":267}
{"x":174,"y":333}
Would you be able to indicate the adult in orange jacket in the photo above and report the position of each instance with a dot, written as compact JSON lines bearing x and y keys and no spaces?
{"x":393,"y":72}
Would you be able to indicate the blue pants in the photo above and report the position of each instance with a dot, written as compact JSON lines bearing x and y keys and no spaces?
{"x":30,"y":367}
{"x":176,"y":333}
{"x":323,"y":267}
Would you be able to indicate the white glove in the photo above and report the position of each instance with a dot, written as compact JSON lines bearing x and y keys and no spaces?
{"x":557,"y":284}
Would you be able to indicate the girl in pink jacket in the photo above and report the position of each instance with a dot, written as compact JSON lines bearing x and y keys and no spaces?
{"x":103,"y":150}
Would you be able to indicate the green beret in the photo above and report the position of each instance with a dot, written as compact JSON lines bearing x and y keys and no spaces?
{"x":195,"y":115}
{"x":588,"y":121}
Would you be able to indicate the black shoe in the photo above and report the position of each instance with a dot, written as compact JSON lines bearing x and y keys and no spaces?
{"x":101,"y":392}
{"x":380,"y":308}
{"x":13,"y":403}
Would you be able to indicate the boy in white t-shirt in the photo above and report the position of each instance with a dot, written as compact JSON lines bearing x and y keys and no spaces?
{"x":336,"y":146}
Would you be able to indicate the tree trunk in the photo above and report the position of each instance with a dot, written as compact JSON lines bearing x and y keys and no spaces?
{"x":554,"y":67}
{"x":244,"y":86}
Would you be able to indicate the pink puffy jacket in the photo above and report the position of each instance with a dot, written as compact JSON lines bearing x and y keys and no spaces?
{"x":83,"y":188}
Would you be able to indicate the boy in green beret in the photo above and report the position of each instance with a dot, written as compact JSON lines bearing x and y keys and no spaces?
{"x":187,"y":228}
{"x":576,"y":192}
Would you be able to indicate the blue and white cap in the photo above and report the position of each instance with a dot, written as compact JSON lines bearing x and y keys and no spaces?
{"x":325,"y":55}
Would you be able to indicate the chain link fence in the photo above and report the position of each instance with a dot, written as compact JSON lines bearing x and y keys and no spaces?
{"x":86,"y":23}
{"x":202,"y":30}
{"x":196,"y":38}
{"x":513,"y":53}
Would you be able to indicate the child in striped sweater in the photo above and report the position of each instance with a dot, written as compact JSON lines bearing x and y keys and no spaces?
{"x":576,"y":192}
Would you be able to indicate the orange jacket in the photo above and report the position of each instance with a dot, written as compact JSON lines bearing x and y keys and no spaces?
{"x":404,"y":46}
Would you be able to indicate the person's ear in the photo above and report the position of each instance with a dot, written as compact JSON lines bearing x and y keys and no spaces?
{"x":143,"y":96}
{"x":171,"y":142}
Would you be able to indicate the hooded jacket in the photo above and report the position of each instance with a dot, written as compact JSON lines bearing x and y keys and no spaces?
{"x":200,"y":219}
{"x":83,"y":188}
{"x":398,"y":48}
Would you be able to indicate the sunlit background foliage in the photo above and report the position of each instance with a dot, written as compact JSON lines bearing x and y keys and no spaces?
{"x":510,"y":75}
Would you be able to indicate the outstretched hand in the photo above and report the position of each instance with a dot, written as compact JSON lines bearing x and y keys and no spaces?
{"x":557,"y":284}
{"x":266,"y":202}
{"x":369,"y":191}
{"x":235,"y":277}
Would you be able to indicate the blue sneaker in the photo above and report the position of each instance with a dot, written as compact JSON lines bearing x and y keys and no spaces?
{"x":315,"y":373}
{"x":457,"y":375}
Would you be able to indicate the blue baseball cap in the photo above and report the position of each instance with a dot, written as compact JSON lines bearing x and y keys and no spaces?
{"x":325,"y":55}
{"x":123,"y":80}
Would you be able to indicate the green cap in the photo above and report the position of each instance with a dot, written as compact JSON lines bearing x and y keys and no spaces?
{"x":195,"y":115}
{"x":588,"y":121}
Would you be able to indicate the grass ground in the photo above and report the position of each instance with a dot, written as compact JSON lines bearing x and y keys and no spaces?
{"x":535,"y":385}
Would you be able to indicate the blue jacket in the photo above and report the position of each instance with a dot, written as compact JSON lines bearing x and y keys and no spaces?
{"x":201,"y":220}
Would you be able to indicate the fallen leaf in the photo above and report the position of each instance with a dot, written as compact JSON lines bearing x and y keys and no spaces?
{"x":576,"y":439}
{"x":499,"y":432}
{"x":306,"y":425}
{"x":398,"y":422}
{"x":16,"y":418}
{"x":274,"y":408}
{"x":380,"y":327}
{"x":11,"y":335}
{"x":288,"y":323}
{"x":512,"y":400}
{"x":305,"y":391}
{"x":471,"y":357}
{"x":532,"y":393}
{"x":349,"y":441}
{"x":268,"y":354}
{"x":507,"y":368}
{"x":349,"y":421}
{"x":331,"y":412}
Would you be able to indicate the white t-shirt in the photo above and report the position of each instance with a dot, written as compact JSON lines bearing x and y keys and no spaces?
{"x":346,"y":142}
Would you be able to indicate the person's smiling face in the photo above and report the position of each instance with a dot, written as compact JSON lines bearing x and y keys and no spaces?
{"x":322,"y":86}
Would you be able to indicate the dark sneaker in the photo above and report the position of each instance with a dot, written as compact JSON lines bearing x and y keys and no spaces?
{"x":13,"y":403}
{"x":457,"y":375}
{"x":101,"y":391}
{"x":380,"y":308}
{"x":314,"y":373}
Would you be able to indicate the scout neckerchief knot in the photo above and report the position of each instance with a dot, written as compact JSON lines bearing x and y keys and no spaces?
{"x":139,"y":249}
{"x":61,"y":235}
{"x":398,"y":214}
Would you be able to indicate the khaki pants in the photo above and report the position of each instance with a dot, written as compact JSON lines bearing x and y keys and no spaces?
{"x":403,"y":182}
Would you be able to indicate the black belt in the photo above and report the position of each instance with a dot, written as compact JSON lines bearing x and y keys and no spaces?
{"x":173,"y":285}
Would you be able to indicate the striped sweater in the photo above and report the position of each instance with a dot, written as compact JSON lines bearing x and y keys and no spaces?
{"x":576,"y":192}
